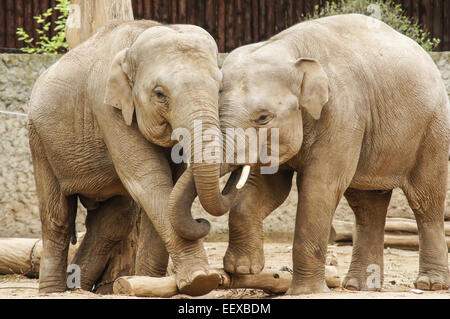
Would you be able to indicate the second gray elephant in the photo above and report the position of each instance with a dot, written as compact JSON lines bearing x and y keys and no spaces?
{"x":360,"y":110}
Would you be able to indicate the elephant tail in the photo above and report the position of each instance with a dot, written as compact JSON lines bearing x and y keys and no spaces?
{"x":74,"y":238}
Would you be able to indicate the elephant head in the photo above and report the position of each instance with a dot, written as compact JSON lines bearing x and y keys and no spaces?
{"x":270,"y":94}
{"x":166,"y":80}
{"x":261,"y":93}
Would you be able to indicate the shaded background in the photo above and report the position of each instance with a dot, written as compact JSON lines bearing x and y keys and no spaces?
{"x":231,"y":22}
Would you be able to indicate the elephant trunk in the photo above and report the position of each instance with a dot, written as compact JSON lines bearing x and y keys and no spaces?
{"x":179,"y":210}
{"x":180,"y":205}
{"x":201,"y":178}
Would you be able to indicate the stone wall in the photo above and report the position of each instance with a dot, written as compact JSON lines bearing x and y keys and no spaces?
{"x":18,"y":72}
{"x":18,"y":204}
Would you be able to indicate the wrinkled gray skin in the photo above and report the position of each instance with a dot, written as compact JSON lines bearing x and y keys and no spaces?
{"x":100,"y":129}
{"x":361,"y":110}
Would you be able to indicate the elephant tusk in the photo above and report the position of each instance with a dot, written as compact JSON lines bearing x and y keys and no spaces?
{"x":244,"y":177}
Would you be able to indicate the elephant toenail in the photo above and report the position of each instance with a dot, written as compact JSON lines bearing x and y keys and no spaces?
{"x":243,"y":270}
{"x":352,"y":284}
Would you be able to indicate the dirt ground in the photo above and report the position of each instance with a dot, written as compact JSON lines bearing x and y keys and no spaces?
{"x":401,"y":269}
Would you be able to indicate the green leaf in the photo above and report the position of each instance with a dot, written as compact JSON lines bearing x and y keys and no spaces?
{"x":392,"y":14}
{"x":44,"y":45}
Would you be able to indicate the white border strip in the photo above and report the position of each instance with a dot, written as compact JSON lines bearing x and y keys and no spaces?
{"x":13,"y":113}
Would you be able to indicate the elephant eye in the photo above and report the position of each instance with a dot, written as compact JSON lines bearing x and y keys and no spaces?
{"x":263,"y":118}
{"x":159,"y":92}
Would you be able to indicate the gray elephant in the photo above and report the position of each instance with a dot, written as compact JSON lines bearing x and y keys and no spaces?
{"x":360,"y":110}
{"x":100,"y":125}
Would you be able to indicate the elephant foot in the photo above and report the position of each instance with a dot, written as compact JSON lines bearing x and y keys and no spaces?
{"x":52,"y":287}
{"x":432,"y":281}
{"x":308,"y":288}
{"x":197,"y":280}
{"x":238,"y":261}
{"x":361,"y":282}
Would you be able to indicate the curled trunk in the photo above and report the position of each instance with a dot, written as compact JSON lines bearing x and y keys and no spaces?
{"x":201,"y":178}
{"x":180,"y":207}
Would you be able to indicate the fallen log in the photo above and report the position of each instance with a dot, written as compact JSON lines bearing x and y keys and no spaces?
{"x":23,"y":255}
{"x":344,"y":231}
{"x":399,"y":233}
{"x":408,"y":242}
{"x":270,"y":281}
{"x":407,"y":226}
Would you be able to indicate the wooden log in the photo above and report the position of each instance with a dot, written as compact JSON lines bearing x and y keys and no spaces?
{"x":344,"y":230}
{"x":23,"y":255}
{"x":87,"y":16}
{"x":142,"y":286}
{"x":270,"y":281}
{"x":410,"y":241}
{"x":408,"y":226}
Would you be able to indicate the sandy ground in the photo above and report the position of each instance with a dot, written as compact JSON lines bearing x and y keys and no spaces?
{"x":401,"y":269}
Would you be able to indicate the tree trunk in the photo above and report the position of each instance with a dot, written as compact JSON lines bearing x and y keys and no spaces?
{"x":87,"y":16}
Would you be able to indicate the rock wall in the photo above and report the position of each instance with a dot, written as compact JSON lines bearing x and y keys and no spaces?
{"x":19,"y":215}
{"x":18,"y":72}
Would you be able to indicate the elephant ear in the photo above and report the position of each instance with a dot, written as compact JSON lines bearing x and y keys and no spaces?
{"x":118,"y":88}
{"x":314,"y":87}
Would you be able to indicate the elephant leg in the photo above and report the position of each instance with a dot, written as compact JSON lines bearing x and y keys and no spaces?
{"x":321,"y":184}
{"x":366,"y":268}
{"x":57,"y":214}
{"x":145,"y":173}
{"x":106,"y":226}
{"x":259,"y":197}
{"x":152,"y":256}
{"x":426,"y":191}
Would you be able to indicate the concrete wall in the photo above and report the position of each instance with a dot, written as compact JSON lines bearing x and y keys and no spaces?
{"x":18,"y":204}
